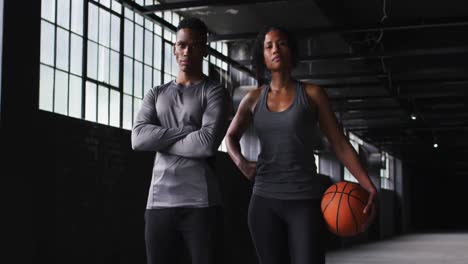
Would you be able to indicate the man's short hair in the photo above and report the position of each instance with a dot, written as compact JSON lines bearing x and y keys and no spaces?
{"x":195,"y":24}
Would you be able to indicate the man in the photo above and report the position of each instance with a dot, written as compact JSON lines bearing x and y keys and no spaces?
{"x":184,"y":121}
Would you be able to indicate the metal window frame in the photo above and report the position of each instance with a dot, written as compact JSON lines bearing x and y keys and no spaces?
{"x":85,"y":78}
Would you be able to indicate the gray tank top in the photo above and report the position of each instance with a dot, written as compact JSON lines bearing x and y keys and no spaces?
{"x":286,"y":164}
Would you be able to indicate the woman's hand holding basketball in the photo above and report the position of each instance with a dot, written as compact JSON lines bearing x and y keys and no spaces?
{"x":370,"y":208}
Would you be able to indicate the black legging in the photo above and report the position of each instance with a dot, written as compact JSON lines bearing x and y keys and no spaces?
{"x":287,"y":231}
{"x":199,"y":228}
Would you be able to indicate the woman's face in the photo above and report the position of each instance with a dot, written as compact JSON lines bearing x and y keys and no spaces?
{"x":276,"y":51}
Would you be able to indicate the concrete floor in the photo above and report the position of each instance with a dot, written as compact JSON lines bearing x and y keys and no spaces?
{"x":450,"y":248}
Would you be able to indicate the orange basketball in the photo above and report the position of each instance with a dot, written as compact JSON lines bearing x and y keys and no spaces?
{"x":342,"y":205}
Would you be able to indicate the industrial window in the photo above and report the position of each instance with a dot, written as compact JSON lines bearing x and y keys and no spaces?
{"x":99,"y":58}
{"x":142,"y":61}
{"x":102,"y":92}
{"x":61,"y":75}
{"x":317,"y":162}
{"x":387,"y":171}
{"x":355,"y":142}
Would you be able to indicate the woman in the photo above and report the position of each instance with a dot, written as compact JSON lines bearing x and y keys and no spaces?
{"x":285,"y":219}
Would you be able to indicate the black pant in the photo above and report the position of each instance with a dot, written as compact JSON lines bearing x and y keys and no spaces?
{"x":166,"y":231}
{"x":287,"y":231}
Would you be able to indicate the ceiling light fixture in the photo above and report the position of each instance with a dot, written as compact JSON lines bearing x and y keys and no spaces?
{"x":436,"y":145}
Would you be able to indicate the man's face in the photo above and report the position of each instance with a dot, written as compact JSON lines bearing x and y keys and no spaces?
{"x":189,"y":50}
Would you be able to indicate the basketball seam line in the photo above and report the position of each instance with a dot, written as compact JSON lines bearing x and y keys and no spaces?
{"x":359,"y":199}
{"x":351,"y":209}
{"x":329,"y":202}
{"x":338,"y":209}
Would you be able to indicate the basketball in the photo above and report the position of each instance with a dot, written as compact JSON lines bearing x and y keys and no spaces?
{"x":342,"y":205}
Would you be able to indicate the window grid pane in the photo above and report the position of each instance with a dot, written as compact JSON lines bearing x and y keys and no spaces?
{"x":128,"y":75}
{"x":105,"y":3}
{"x":148,"y":47}
{"x":114,"y":108}
{"x":114,"y":69}
{"x":62,"y":49}
{"x":77,"y":16}
{"x":104,"y":27}
{"x":93,"y":22}
{"x":156,"y":77}
{"x":157,"y":52}
{"x":61,"y":92}
{"x":115,"y":33}
{"x":91,"y":97}
{"x":117,"y":7}
{"x":63,"y":13}
{"x":149,"y":24}
{"x":128,"y":41}
{"x":46,"y":85}
{"x":175,"y":19}
{"x":48,"y":10}
{"x":136,"y":106}
{"x":74,"y":99}
{"x":128,"y":13}
{"x":167,"y":35}
{"x":157,"y":29}
{"x":138,"y":80}
{"x":167,"y":16}
{"x":138,"y":19}
{"x":76,"y":54}
{"x":92,"y":60}
{"x":103,"y":61}
{"x":103,"y":105}
{"x":174,"y":65}
{"x":138,"y":43}
{"x":167,"y":57}
{"x":127,"y":112}
{"x":148,"y":79}
{"x":47,"y":43}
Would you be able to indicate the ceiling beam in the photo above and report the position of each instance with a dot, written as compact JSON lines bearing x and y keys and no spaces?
{"x":379,"y":55}
{"x":438,"y":82}
{"x":340,"y":75}
{"x":462,"y":99}
{"x":359,"y":99}
{"x":370,"y":129}
{"x":328,"y":30}
{"x":441,"y":93}
{"x":201,"y":3}
{"x":395,"y":75}
{"x":371,"y":115}
{"x":352,"y":84}
{"x":387,"y":54}
{"x":414,"y":83}
{"x":343,"y":108}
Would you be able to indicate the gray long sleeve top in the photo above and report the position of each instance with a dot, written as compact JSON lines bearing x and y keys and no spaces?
{"x":184,"y":125}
